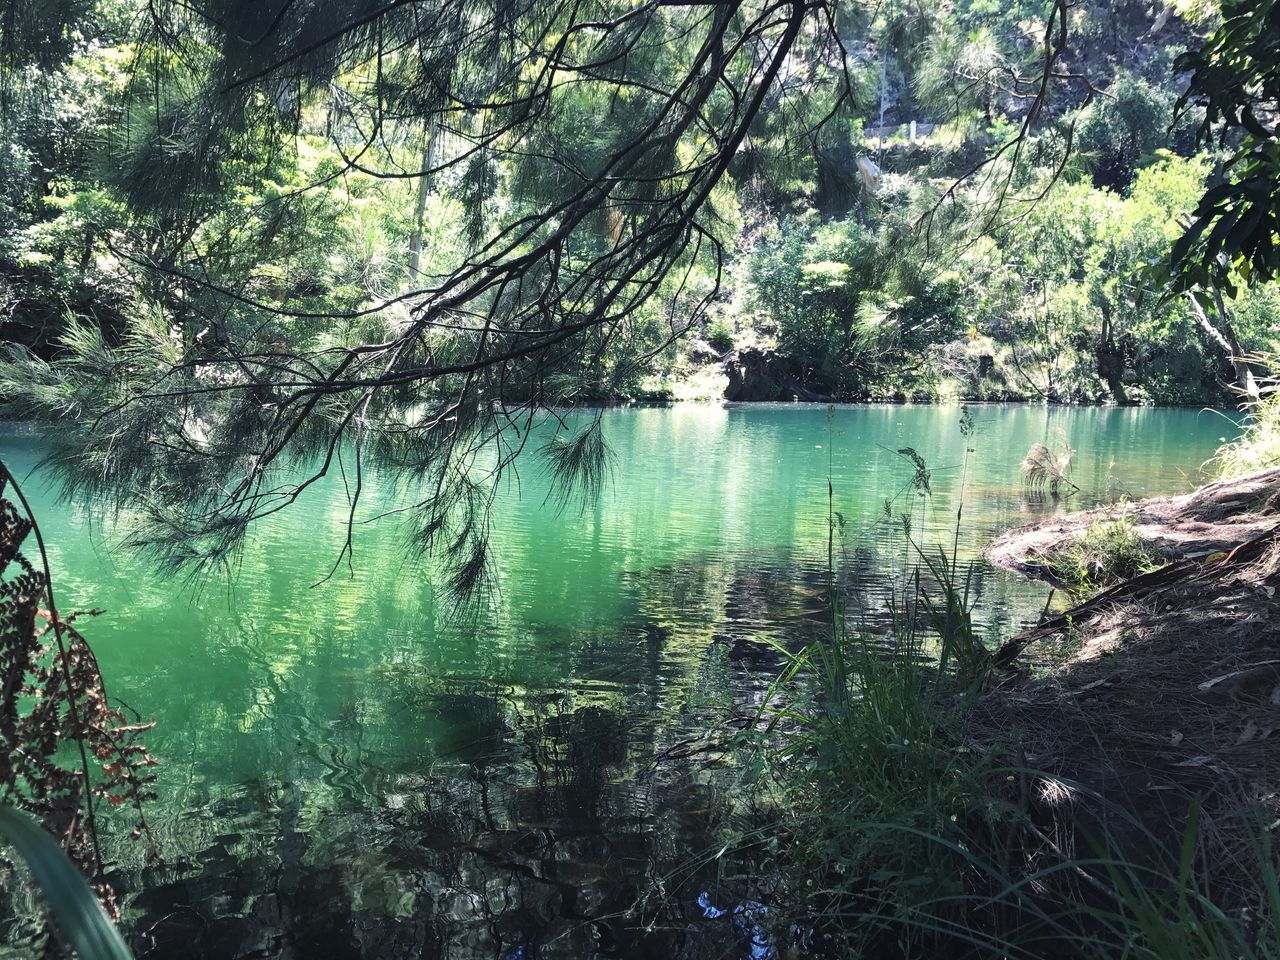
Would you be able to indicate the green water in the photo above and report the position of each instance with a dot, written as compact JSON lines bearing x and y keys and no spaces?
{"x":349,"y":770}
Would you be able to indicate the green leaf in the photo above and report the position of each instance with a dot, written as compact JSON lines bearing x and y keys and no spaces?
{"x":79,"y":916}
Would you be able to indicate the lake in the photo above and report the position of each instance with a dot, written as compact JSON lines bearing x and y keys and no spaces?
{"x":357,"y":769}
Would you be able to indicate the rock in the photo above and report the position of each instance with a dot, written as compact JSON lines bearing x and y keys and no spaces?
{"x":761,"y":376}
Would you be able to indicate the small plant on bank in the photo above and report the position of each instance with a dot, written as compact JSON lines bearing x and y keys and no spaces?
{"x":1111,"y":550}
{"x":889,"y":810}
{"x":1258,"y":447}
{"x":888,"y":802}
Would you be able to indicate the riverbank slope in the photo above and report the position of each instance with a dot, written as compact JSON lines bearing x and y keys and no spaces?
{"x":1158,"y":700}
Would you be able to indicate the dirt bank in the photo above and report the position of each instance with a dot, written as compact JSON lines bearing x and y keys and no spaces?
{"x":1162,"y":694}
{"x":1213,"y":519}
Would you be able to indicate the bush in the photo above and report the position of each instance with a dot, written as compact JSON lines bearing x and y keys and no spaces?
{"x":1109,"y":551}
{"x":887,"y":812}
{"x":1114,"y":135}
{"x":720,"y":336}
{"x":901,"y":834}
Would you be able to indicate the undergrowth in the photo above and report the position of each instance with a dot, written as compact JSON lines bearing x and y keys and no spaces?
{"x":1258,"y":447}
{"x":1111,"y":550}
{"x":905,"y":839}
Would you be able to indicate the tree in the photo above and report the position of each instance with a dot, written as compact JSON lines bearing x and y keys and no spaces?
{"x":587,"y":145}
{"x":1235,"y":78}
{"x":1114,"y":133}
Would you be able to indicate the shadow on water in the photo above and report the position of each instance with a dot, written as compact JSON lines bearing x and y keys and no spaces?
{"x":348,"y":774}
{"x":537,"y":837}
{"x":462,"y":818}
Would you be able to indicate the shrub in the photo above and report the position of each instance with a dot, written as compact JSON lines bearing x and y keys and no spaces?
{"x":1258,"y":446}
{"x":1114,"y":136}
{"x":1111,"y":550}
{"x":720,"y":336}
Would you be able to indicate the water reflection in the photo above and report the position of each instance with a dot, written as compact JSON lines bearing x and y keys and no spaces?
{"x":348,"y":772}
{"x":379,"y":809}
{"x":534,"y":830}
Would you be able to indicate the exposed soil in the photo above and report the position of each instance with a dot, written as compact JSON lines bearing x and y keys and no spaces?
{"x":1162,"y":692}
{"x":1213,"y":519}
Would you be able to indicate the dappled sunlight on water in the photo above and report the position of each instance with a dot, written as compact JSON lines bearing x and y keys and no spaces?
{"x":348,"y":770}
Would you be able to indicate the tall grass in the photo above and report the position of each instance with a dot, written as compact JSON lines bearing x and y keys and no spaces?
{"x":894,"y":803}
{"x":908,"y":841}
{"x":905,"y":839}
{"x":1163,"y":913}
{"x":889,"y":808}
{"x":1258,"y":447}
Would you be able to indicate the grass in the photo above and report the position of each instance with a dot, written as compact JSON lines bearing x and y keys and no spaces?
{"x":1258,"y":448}
{"x":888,"y":809}
{"x":1111,"y":550}
{"x":1163,"y":914}
{"x":904,"y":839}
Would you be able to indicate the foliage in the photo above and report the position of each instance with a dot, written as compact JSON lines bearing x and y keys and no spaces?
{"x":563,"y":176}
{"x":1109,"y":551}
{"x":1163,"y":914}
{"x":1258,"y":446}
{"x":80,"y":917}
{"x":54,"y":696}
{"x":905,"y":838}
{"x":720,"y":336}
{"x":245,"y":245}
{"x":1115,"y":133}
{"x":235,"y":240}
{"x":882,"y":805}
{"x":904,"y":841}
{"x":1056,"y":305}
{"x":1235,"y":77}
{"x":850,"y":308}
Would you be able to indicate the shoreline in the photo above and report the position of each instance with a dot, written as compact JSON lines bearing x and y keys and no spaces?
{"x":1157,"y":700}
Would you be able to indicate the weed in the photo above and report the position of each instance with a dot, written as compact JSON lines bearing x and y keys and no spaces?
{"x":885,"y":802}
{"x":1162,"y":913}
{"x":1111,"y":550}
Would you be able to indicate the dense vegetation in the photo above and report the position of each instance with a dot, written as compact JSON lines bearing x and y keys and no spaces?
{"x":246,"y":245}
{"x":841,"y":256}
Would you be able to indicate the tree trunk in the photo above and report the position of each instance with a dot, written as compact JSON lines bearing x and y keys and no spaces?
{"x":420,"y":207}
{"x":1224,"y":335}
{"x":1110,"y":360}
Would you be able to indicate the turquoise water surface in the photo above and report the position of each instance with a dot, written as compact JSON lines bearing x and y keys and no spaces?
{"x":353,"y":769}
